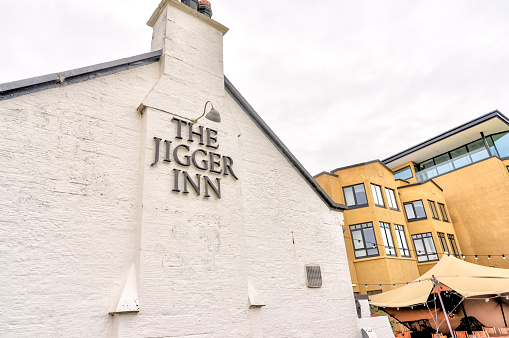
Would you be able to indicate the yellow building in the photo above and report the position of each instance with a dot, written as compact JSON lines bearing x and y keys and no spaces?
{"x":447,"y":195}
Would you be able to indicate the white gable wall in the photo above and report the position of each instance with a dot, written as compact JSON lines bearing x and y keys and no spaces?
{"x":287,"y":226}
{"x":81,"y":204}
{"x":69,"y":165}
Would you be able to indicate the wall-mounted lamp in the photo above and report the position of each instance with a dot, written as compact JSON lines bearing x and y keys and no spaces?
{"x":213,"y":115}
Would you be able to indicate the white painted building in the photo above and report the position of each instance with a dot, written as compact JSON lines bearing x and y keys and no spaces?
{"x":98,"y":238}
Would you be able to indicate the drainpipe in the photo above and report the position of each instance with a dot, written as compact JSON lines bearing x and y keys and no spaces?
{"x":486,"y":144}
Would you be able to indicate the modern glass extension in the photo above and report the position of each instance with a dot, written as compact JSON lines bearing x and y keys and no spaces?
{"x":464,"y":155}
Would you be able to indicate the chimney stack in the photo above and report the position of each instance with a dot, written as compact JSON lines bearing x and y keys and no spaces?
{"x":205,"y":8}
{"x":191,"y":63}
{"x":191,"y":3}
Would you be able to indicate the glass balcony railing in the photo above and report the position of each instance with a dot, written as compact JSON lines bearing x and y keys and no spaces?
{"x":452,"y":164}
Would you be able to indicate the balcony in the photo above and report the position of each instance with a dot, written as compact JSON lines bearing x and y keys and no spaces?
{"x":452,"y":164}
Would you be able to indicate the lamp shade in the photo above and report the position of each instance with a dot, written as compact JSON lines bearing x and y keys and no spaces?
{"x":213,"y":115}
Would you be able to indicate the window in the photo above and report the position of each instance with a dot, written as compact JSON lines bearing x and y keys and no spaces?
{"x":424,"y":247}
{"x":377,"y":195}
{"x":364,"y":241}
{"x":454,"y":247}
{"x":443,"y":242}
{"x":507,"y":168}
{"x":433,"y":207}
{"x":442,"y":164}
{"x":374,"y":292}
{"x":401,"y":238}
{"x":355,"y":196}
{"x":403,"y":173}
{"x":443,"y":212}
{"x":391,"y":198}
{"x":390,"y":250}
{"x":415,"y":211}
{"x":477,"y":150}
{"x":501,"y":141}
{"x":460,"y":157}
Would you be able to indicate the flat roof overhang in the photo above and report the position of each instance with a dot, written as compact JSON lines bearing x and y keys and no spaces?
{"x":492,"y":123}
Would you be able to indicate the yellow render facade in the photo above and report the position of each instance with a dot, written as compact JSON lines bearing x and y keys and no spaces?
{"x":394,"y":260}
{"x":478,"y":202}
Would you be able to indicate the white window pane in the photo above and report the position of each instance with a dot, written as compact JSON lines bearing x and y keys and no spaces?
{"x":419,"y":209}
{"x":409,"y":211}
{"x":391,"y":198}
{"x":357,"y":239}
{"x":430,"y":246}
{"x":360,"y":253}
{"x":349,"y":196}
{"x":379,"y":195}
{"x":419,"y":247}
{"x":375,"y":196}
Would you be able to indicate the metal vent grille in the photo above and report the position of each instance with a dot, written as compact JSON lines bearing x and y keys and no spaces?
{"x":313,"y":276}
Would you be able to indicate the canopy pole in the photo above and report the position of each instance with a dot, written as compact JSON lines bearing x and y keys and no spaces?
{"x":466,"y":317}
{"x":442,"y":303}
{"x":502,"y":308}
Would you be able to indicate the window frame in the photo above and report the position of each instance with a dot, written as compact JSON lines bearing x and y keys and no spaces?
{"x":431,"y":256}
{"x":454,"y":246}
{"x":377,"y":195}
{"x":434,"y":211}
{"x":443,"y":211}
{"x":388,"y":239}
{"x":389,"y":199}
{"x":356,"y":205}
{"x":499,"y":154}
{"x":401,"y":170}
{"x":367,"y":225}
{"x":443,"y":243}
{"x":402,"y":241}
{"x":415,"y":218}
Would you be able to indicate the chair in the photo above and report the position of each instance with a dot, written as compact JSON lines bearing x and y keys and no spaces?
{"x":437,"y":335}
{"x":480,"y":334}
{"x":489,"y":330}
{"x":460,"y":334}
{"x":503,"y":330}
{"x":406,"y":334}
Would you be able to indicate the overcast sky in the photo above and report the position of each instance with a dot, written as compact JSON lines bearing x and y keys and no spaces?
{"x":340,"y":82}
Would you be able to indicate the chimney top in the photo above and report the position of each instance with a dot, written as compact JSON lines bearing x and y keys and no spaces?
{"x":205,"y":8}
{"x":181,"y":4}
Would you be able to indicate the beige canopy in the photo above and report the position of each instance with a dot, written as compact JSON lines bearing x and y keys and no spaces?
{"x":465,"y":278}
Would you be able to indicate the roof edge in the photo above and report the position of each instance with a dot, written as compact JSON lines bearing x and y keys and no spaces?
{"x":440,"y":137}
{"x":421,"y":183}
{"x":325,"y":173}
{"x":14,"y":89}
{"x":361,"y":164}
{"x":242,"y":102}
{"x":188,"y":10}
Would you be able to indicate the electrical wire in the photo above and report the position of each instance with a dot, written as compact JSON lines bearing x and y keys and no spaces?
{"x":419,"y":252}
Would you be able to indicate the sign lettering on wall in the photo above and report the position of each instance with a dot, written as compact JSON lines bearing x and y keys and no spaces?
{"x":203,"y":159}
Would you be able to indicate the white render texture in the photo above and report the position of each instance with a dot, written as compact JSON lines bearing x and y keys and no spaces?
{"x":80,"y":204}
{"x":380,"y":325}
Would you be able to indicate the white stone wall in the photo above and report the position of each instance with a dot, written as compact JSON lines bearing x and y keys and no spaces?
{"x":69,"y":165}
{"x":81,"y":204}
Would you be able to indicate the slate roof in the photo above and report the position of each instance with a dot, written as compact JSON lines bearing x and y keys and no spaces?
{"x":456,"y":130}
